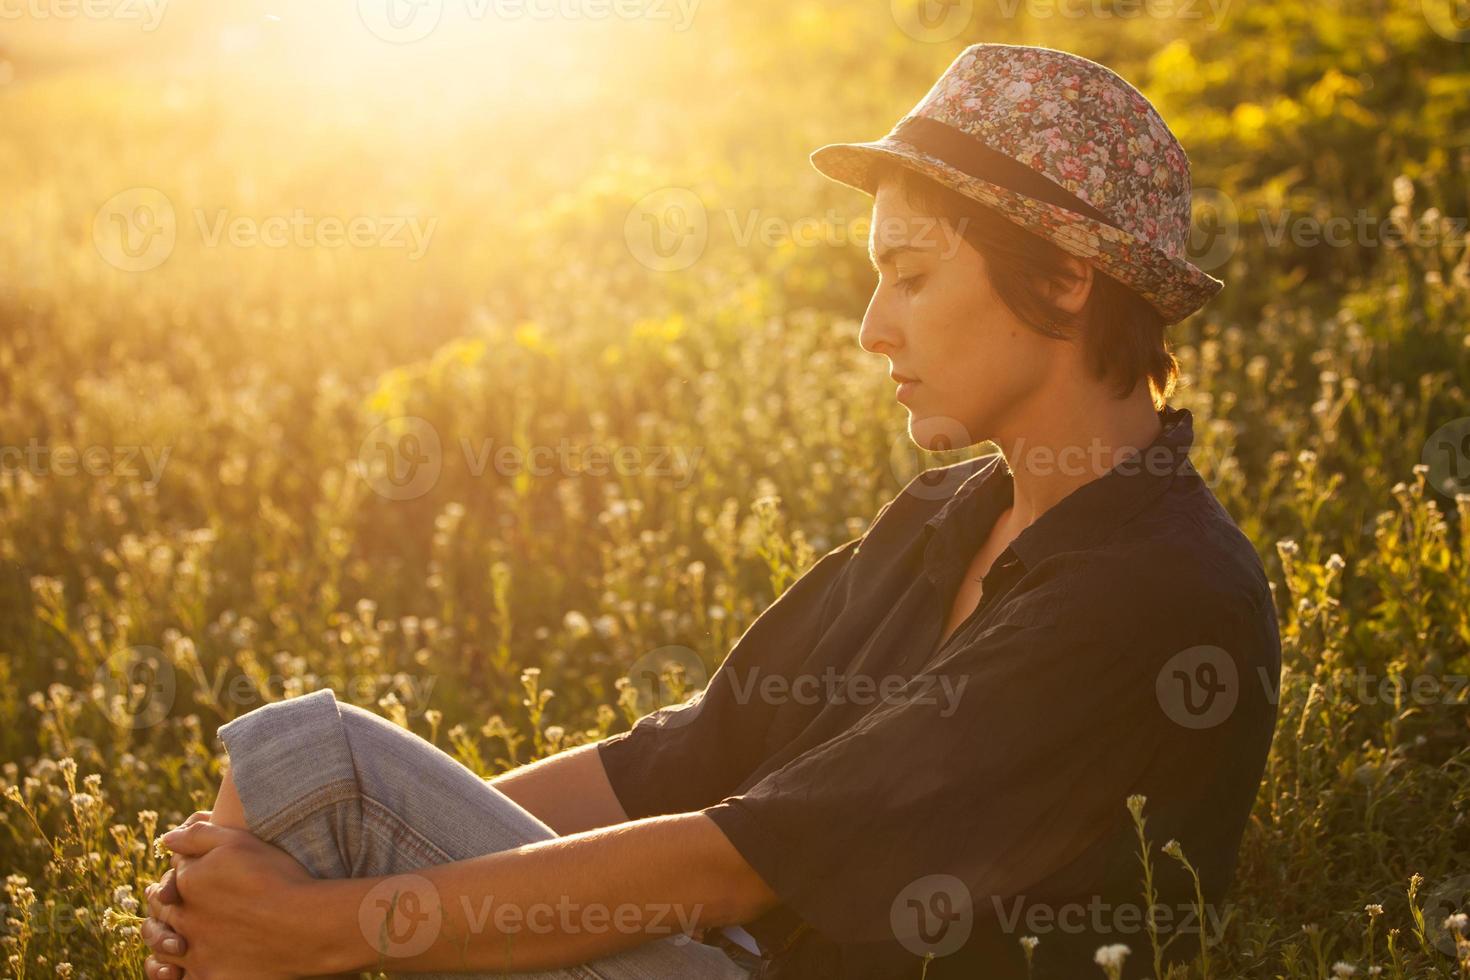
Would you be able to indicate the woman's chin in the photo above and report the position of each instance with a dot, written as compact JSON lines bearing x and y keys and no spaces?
{"x":938,"y":433}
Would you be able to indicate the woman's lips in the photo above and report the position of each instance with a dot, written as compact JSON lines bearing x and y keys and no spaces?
{"x":905,"y":389}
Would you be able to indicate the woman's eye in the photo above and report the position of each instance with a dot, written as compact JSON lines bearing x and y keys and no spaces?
{"x":908,"y":284}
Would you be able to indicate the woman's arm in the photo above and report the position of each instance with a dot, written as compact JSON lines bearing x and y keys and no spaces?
{"x":569,"y":791}
{"x":550,"y":904}
{"x":545,"y":905}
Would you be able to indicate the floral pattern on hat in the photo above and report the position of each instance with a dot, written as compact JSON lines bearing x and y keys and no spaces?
{"x":1081,"y":125}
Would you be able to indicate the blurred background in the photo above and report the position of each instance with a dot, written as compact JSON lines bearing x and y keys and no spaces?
{"x":495,"y":363}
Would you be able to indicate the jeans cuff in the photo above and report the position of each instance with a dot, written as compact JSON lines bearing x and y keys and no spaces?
{"x":288,"y":759}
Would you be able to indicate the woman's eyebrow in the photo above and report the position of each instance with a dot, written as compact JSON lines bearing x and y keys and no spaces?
{"x":887,"y":254}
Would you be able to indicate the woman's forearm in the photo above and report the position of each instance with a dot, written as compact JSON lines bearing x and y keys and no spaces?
{"x":568,"y":792}
{"x":554,"y":903}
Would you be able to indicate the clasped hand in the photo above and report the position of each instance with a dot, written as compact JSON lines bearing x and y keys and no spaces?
{"x":231,"y":906}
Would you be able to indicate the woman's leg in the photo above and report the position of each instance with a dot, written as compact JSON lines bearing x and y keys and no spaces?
{"x":350,"y":794}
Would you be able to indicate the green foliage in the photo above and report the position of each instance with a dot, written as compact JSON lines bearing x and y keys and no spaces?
{"x":500,"y":611}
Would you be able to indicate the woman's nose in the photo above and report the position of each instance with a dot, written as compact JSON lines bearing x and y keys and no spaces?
{"x":877,"y":334}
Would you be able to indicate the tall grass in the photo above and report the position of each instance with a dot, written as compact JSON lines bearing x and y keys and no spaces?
{"x":235,"y":543}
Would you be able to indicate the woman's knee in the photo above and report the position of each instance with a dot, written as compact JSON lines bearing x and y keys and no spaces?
{"x":293,"y":773}
{"x":227,"y":811}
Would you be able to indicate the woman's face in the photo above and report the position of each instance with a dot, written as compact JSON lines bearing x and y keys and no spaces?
{"x":936,"y":318}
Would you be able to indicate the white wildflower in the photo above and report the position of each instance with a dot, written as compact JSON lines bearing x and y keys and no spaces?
{"x":1111,"y":957}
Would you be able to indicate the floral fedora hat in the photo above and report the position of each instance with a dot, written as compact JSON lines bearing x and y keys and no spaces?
{"x":1062,"y":146}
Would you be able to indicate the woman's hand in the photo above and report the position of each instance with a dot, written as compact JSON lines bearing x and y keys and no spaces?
{"x":159,"y":937}
{"x":237,"y":907}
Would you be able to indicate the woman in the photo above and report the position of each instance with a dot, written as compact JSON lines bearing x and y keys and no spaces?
{"x":917,"y":759}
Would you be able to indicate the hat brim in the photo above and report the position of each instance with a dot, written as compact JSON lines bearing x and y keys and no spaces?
{"x":1173,"y":286}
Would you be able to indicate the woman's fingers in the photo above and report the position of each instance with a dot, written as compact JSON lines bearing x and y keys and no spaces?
{"x":156,"y":933}
{"x":165,"y":891}
{"x":158,"y":970}
{"x":194,"y":817}
{"x":160,"y":937}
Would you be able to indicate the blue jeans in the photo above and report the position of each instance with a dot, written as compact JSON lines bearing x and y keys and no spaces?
{"x":349,"y":794}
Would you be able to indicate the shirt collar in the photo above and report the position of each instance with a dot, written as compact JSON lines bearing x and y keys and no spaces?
{"x":1080,"y":519}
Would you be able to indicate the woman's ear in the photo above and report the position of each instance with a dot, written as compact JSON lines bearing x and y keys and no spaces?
{"x":1070,"y":294}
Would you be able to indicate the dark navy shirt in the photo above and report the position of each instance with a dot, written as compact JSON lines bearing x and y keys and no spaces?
{"x":906,"y":799}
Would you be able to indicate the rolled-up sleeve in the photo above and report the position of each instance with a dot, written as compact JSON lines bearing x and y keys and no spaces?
{"x":686,"y":756}
{"x":999,"y":765}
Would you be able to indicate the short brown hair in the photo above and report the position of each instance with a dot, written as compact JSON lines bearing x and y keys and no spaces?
{"x":1122,"y":334}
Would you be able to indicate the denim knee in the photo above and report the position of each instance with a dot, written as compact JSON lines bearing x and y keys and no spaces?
{"x":292,"y":765}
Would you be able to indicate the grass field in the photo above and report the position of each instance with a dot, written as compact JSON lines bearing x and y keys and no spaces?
{"x":472,"y":374}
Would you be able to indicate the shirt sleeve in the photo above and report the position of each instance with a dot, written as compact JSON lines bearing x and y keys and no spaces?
{"x":683,"y":757}
{"x":999,"y":765}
